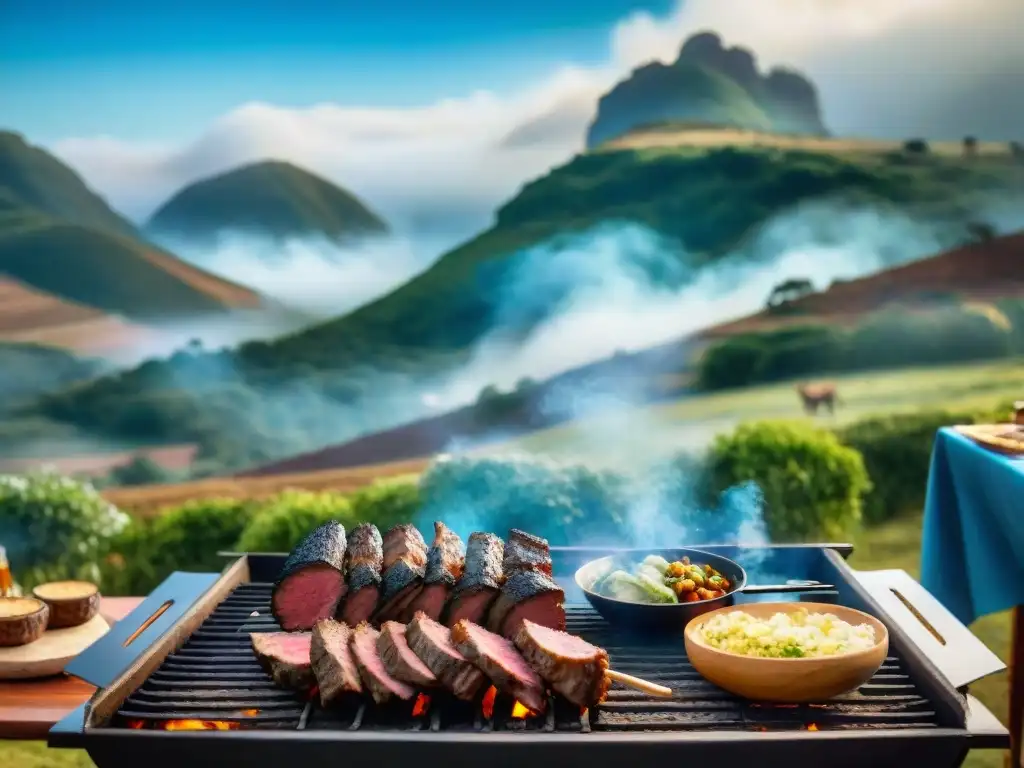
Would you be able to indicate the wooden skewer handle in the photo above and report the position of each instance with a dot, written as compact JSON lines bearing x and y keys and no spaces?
{"x":641,"y":685}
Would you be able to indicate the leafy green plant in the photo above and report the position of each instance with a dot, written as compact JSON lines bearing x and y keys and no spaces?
{"x":54,"y":527}
{"x":813,"y":485}
{"x":386,"y":503}
{"x":285,"y":520}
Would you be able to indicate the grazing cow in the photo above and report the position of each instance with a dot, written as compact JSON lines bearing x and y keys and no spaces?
{"x":815,"y":395}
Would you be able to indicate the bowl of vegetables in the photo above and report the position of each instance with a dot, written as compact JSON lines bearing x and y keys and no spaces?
{"x":666,"y":589}
{"x":787,"y":652}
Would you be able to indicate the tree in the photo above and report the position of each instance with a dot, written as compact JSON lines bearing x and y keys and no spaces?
{"x":970,"y":146}
{"x":916,"y":147}
{"x":981,"y":232}
{"x":789,"y":290}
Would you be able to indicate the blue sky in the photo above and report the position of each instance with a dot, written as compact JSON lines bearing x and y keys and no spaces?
{"x":152,"y":70}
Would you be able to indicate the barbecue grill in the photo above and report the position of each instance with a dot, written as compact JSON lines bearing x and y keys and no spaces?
{"x":183,"y":661}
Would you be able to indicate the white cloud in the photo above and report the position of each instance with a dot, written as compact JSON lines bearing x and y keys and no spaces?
{"x":911,"y":67}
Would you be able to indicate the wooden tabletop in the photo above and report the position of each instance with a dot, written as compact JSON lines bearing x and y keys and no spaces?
{"x":29,"y":708}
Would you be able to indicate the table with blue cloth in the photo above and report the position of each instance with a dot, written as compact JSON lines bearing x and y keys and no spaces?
{"x":972,"y":550}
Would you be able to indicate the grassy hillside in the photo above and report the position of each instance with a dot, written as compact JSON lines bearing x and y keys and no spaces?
{"x":33,"y":178}
{"x":27,"y":370}
{"x":273,"y":199}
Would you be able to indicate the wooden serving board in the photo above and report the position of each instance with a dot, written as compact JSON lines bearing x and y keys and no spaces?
{"x":1007,"y":439}
{"x":49,"y":654}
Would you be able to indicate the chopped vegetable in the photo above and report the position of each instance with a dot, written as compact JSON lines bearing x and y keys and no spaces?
{"x":786,"y":635}
{"x":657,"y":562}
{"x":655,"y":580}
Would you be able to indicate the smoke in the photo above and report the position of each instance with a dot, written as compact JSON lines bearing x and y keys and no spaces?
{"x":621,"y":287}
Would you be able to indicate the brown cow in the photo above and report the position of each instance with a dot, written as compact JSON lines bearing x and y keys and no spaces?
{"x":815,"y":395}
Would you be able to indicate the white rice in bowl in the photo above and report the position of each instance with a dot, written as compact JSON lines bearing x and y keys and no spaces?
{"x":795,"y":635}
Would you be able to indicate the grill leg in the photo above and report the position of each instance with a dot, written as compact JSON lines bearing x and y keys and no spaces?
{"x":1016,"y":687}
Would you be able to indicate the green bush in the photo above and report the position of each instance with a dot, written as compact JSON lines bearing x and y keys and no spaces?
{"x":813,"y":485}
{"x":731,"y":363}
{"x":386,"y":503}
{"x":54,"y":527}
{"x":185,"y":538}
{"x":286,"y":519}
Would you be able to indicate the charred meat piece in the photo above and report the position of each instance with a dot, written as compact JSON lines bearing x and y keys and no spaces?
{"x":381,"y":685}
{"x":527,"y":595}
{"x":399,"y":660}
{"x":402,"y":584}
{"x":501,"y":662}
{"x":481,"y":579}
{"x":573,"y":667}
{"x":404,"y":542}
{"x":312,"y":582}
{"x":526,"y":552}
{"x":333,"y":666}
{"x":432,"y":643}
{"x":364,"y":560}
{"x":445,"y":562}
{"x":285,"y":656}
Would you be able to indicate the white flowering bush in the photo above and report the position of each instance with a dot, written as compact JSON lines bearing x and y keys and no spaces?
{"x":54,"y":527}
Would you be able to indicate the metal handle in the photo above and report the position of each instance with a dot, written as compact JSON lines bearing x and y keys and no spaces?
{"x":943,"y":638}
{"x":106,"y":659}
{"x":788,"y":587}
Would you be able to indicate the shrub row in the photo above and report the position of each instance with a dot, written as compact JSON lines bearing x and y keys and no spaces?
{"x":779,"y":481}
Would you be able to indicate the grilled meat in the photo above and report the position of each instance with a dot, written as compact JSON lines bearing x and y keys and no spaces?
{"x":285,"y":656}
{"x":381,"y":685}
{"x":527,"y":595}
{"x":333,"y":666}
{"x":364,"y":560}
{"x":432,"y":643}
{"x":574,"y":668}
{"x":404,"y":542}
{"x":524,"y":551}
{"x":445,"y":562}
{"x":480,"y":580}
{"x":402,"y":584}
{"x":312,"y":582}
{"x":501,"y":662}
{"x":399,"y":660}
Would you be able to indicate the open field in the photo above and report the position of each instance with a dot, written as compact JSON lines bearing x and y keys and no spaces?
{"x":637,"y":434}
{"x":170,"y":457}
{"x":705,"y":138}
{"x":147,"y":500}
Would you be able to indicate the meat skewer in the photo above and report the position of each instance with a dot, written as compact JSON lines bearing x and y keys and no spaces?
{"x":312,"y":582}
{"x":399,"y":660}
{"x":501,"y":662}
{"x":445,"y":563}
{"x":405,"y":558}
{"x":381,"y":685}
{"x":480,"y":582}
{"x":432,"y":643}
{"x":285,"y":657}
{"x":574,"y":668}
{"x":364,"y":561}
{"x":331,"y":657}
{"x":525,"y":552}
{"x":527,"y":594}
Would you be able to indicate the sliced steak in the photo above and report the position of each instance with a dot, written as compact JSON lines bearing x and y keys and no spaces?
{"x":481,"y":579}
{"x":381,"y":685}
{"x":432,"y":643}
{"x":364,"y":560}
{"x":333,"y":666}
{"x":404,"y":542}
{"x":312,"y":582}
{"x":573,"y":667}
{"x":445,"y":562}
{"x":285,"y":656}
{"x":399,"y":660}
{"x":527,"y":594}
{"x":524,"y":551}
{"x":501,"y":662}
{"x":402,"y":583}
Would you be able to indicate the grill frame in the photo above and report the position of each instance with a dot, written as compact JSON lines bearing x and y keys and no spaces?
{"x":946,"y":744}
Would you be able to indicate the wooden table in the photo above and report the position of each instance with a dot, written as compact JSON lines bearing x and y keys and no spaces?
{"x":29,"y":708}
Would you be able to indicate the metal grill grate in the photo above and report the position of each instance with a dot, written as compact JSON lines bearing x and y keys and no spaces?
{"x":215,"y":678}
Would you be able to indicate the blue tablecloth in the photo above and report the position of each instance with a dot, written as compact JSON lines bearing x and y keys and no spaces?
{"x":972,"y":552}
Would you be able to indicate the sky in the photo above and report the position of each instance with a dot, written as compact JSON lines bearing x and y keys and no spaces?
{"x":410,"y":104}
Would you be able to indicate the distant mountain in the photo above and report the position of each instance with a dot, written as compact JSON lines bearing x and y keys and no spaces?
{"x":271,"y":199}
{"x":64,"y":247}
{"x":709,"y":85}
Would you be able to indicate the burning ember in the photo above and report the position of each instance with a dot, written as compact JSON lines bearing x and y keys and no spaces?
{"x":422,"y":706}
{"x":314,"y":692}
{"x":183,"y":725}
{"x":488,"y":703}
{"x":812,"y":727}
{"x":519,"y":712}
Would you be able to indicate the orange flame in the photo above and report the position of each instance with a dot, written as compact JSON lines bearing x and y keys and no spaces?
{"x":422,"y":705}
{"x":250,"y":712}
{"x":487,"y":705}
{"x":812,"y":727}
{"x":520,"y":712}
{"x":136,"y":725}
{"x":184,"y":725}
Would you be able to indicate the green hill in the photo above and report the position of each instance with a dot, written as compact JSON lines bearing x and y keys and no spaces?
{"x":274,"y":199}
{"x":712,"y":85}
{"x":32,"y":177}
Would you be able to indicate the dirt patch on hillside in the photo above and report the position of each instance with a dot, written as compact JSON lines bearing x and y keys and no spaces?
{"x":174,"y":457}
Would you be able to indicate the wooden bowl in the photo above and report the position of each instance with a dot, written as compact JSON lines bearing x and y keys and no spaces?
{"x":787,"y":681}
